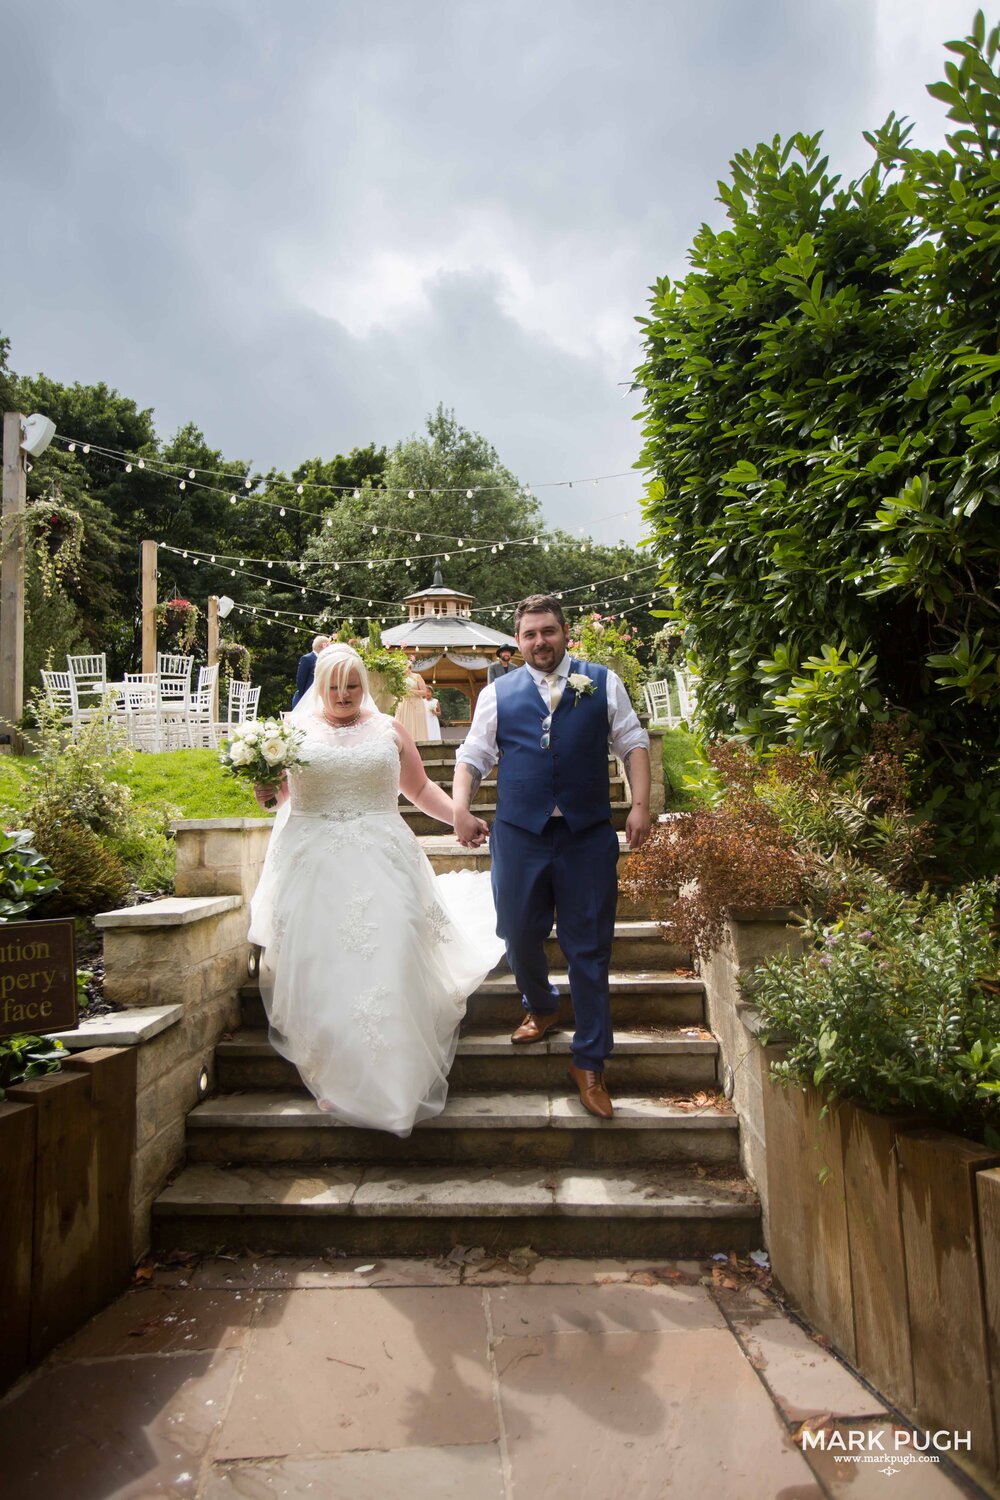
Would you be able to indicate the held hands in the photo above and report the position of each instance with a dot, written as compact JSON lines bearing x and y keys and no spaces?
{"x":470,"y":830}
{"x":637,"y":827}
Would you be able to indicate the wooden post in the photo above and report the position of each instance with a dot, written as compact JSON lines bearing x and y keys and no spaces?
{"x":213,"y":649}
{"x":12,"y":581}
{"x":149,"y":606}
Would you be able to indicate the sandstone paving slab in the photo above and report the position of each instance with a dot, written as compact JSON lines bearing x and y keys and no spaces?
{"x":650,"y":1192}
{"x":449,"y":1191}
{"x":803,"y":1378}
{"x":115,"y":1429}
{"x":164,"y":1321}
{"x":909,"y":1479}
{"x":637,"y":1112}
{"x":643,"y":1414}
{"x":279,"y":1272}
{"x":470,"y":1472}
{"x":526,"y":1311}
{"x":331,"y":1371}
{"x":558,"y":1270}
{"x":208,"y":1188}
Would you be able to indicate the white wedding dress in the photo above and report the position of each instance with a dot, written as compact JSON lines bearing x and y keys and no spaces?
{"x":368,"y":956}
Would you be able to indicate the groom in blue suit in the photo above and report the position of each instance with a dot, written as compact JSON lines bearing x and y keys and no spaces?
{"x":550,"y":725}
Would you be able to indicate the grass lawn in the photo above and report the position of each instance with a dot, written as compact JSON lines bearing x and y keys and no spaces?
{"x":681,"y":757}
{"x":189,"y":780}
{"x":192,"y":781}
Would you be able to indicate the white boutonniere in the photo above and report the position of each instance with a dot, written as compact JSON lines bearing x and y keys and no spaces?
{"x":582,"y":685}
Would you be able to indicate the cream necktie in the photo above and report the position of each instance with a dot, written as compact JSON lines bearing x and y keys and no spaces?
{"x":555,"y":686}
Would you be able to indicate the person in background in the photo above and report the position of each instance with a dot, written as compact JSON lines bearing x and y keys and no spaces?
{"x":307,"y":667}
{"x":501,"y":666}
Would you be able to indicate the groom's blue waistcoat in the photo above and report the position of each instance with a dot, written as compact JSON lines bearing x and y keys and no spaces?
{"x":572,"y":773}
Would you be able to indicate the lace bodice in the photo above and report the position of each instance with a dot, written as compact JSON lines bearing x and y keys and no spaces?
{"x":350,"y":772}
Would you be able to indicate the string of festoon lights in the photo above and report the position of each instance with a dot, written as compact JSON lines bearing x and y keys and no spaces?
{"x":301,"y":624}
{"x":242,"y":487}
{"x":224,"y":562}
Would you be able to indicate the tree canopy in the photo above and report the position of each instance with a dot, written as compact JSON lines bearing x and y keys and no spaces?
{"x":821,"y":428}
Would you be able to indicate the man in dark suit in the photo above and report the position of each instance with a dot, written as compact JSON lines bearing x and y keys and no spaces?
{"x":307,"y":667}
{"x":553,"y":849}
{"x":501,"y":666}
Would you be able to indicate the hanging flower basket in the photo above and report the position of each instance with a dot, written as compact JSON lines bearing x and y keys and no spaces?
{"x":178,"y":619}
{"x":55,"y":532}
{"x":234,"y":659}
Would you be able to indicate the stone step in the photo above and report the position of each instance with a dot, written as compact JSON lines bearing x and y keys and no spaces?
{"x":418,"y":1210}
{"x":665,"y":1059}
{"x":637,"y":998}
{"x":518,"y":1128}
{"x":420,"y":823}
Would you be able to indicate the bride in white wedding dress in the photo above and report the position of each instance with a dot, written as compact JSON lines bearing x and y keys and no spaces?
{"x":368,"y":956}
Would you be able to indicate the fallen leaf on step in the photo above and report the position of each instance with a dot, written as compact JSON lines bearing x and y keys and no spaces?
{"x":466,"y":1255}
{"x":523,"y":1258}
{"x":143,"y":1273}
{"x":812,"y":1426}
{"x":643,"y":1278}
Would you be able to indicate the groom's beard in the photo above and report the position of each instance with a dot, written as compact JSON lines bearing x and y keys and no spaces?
{"x":545,"y":658}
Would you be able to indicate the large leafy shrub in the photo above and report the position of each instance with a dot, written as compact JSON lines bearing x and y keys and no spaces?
{"x":780,"y":831}
{"x":26,"y":877}
{"x":897,"y":1005}
{"x":821,"y":428}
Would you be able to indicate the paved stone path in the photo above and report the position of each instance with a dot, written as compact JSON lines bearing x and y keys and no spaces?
{"x":591,"y":1380}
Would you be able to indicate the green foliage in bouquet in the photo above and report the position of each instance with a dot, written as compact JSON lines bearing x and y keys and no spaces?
{"x":895,"y":1005}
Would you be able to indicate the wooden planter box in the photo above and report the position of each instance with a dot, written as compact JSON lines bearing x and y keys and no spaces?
{"x":66,"y":1143}
{"x":893,"y":1255}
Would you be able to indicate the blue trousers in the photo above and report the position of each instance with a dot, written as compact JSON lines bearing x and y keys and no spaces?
{"x":573,"y":876}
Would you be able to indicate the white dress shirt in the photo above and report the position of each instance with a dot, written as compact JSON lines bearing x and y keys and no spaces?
{"x":625,"y":733}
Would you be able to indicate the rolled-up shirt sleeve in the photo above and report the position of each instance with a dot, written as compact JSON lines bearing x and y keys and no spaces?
{"x":625,"y":733}
{"x":479,"y":748}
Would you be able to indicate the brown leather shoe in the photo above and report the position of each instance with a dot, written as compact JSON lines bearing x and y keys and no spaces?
{"x":593,"y":1094}
{"x":534,"y":1026}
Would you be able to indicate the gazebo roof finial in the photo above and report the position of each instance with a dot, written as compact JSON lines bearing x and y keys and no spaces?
{"x":438,"y":579}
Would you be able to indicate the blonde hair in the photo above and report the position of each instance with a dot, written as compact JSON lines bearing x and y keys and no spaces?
{"x":333,"y":667}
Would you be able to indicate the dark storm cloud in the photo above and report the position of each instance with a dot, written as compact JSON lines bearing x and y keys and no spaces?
{"x":303,"y":226}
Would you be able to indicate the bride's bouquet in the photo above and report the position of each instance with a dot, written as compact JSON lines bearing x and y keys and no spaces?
{"x":261,"y":753}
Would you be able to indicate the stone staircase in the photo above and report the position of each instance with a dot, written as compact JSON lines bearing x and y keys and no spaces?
{"x":513,"y":1160}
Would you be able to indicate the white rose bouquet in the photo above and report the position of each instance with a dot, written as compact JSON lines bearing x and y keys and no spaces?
{"x":262,"y":753}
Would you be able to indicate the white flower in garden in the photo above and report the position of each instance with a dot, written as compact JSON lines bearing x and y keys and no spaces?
{"x":240,"y":753}
{"x":273,"y":749}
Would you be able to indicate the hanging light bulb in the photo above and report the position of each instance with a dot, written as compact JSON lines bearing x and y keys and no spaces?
{"x":182,"y":485}
{"x":374,"y":531}
{"x":270,"y":564}
{"x":494,"y":551}
{"x":191,"y":474}
{"x":86,"y":447}
{"x":336,"y":567}
{"x":299,"y":489}
{"x":357,"y":495}
{"x":196,"y":562}
{"x":460,"y":542}
{"x":128,"y":468}
{"x":417,"y":537}
{"x":534,"y":541}
{"x":241,"y":562}
{"x":370,"y":564}
{"x":468,"y":494}
{"x":183,"y":554}
{"x":410,"y":495}
{"x":500,"y":545}
{"x":232,"y":572}
{"x":370,"y":603}
{"x":407,"y":562}
{"x":212,"y":558}
{"x":269,"y":583}
{"x":447,"y":557}
{"x":546,"y":547}
{"x":281,"y":512}
{"x":625,"y":577}
{"x":71,"y":448}
{"x":142,"y":463}
{"x":329,"y":520}
{"x":232,"y":499}
{"x":248,"y":484}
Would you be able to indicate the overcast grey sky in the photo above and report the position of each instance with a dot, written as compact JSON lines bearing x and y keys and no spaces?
{"x":303,"y":225}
